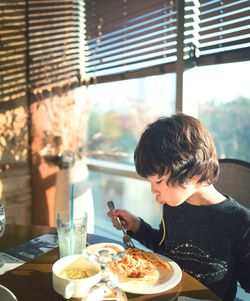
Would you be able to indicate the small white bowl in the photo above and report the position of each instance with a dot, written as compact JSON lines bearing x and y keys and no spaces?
{"x":112,"y":248}
{"x":74,"y":288}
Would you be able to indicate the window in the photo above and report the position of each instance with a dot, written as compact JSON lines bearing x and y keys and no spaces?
{"x":149,"y":58}
{"x":120,"y":111}
{"x":221,"y":100}
{"x":124,"y":36}
{"x":40,"y":47}
{"x":133,"y":39}
{"x":122,"y":191}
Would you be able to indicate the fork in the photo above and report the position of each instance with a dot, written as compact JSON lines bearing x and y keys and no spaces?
{"x":126,"y":238}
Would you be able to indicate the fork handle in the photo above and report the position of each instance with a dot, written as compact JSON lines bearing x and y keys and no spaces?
{"x":112,"y":207}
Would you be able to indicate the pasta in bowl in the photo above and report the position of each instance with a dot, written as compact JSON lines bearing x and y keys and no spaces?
{"x":74,"y":275}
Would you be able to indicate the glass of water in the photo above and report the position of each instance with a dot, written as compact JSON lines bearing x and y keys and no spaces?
{"x":2,"y":226}
{"x":2,"y":219}
{"x":72,"y":234}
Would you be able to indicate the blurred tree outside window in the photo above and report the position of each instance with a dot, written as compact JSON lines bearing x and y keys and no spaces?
{"x":122,"y":109}
{"x":219,"y":96}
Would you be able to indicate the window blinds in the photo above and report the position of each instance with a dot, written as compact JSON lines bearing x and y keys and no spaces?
{"x":13,"y":50}
{"x":41,"y":40}
{"x":224,"y":29}
{"x":54,"y":36}
{"x":127,"y":35}
{"x":40,"y":45}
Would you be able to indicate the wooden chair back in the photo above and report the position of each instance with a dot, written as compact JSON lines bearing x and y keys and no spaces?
{"x":234,"y":180}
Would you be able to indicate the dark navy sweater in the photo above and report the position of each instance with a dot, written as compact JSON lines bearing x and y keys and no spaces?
{"x":211,"y":243}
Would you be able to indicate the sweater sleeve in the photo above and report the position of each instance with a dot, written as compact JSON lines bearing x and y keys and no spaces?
{"x":243,"y":257}
{"x":149,"y":237}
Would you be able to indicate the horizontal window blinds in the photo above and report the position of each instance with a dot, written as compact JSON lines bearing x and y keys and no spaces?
{"x":128,"y":35}
{"x":13,"y":50}
{"x":53,"y":35}
{"x":41,"y":41}
{"x":39,"y":45}
{"x":224,"y":26}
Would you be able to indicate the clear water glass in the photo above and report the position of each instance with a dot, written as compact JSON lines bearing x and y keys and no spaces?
{"x":72,"y":234}
{"x":107,"y":289}
{"x":2,"y":226}
{"x":2,"y":219}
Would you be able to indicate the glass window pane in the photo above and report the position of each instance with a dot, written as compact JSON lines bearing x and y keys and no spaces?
{"x":127,"y":193}
{"x":219,"y":96}
{"x":121,"y":110}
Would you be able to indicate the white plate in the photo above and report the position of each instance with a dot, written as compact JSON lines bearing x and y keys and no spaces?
{"x":111,"y":247}
{"x":143,"y":288}
{"x":6,"y":294}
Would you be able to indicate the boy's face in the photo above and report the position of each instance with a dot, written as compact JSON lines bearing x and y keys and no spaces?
{"x":173,"y":195}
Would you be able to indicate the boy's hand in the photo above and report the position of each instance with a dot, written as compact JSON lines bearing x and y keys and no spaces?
{"x":129,"y":221}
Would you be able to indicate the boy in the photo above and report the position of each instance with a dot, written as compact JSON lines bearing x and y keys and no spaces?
{"x":206,"y":233}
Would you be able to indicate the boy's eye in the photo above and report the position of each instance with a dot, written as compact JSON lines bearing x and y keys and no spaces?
{"x":158,"y":182}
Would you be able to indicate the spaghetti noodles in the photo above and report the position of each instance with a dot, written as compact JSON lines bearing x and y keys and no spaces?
{"x":137,"y":263}
{"x":163,"y":225}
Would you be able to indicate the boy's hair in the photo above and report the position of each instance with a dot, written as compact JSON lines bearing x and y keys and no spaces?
{"x":179,"y":145}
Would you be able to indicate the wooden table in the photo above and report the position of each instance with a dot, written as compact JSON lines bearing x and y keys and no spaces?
{"x":32,"y":281}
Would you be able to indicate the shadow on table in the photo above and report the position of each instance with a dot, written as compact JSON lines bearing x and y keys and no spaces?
{"x":175,"y":294}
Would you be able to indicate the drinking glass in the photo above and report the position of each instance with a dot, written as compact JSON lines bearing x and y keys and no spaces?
{"x":72,"y":234}
{"x":2,"y":219}
{"x":106,"y":289}
{"x":2,"y":226}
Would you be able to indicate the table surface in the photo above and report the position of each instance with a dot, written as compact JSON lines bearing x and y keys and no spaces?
{"x":33,"y":280}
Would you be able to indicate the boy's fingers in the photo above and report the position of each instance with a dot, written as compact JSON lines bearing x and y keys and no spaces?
{"x":116,"y":224}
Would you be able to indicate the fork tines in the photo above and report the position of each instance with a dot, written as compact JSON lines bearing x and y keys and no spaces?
{"x":129,"y":245}
{"x":126,"y":238}
{"x":128,"y":241}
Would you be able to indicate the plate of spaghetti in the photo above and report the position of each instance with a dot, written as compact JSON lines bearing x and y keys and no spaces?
{"x":142,"y":272}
